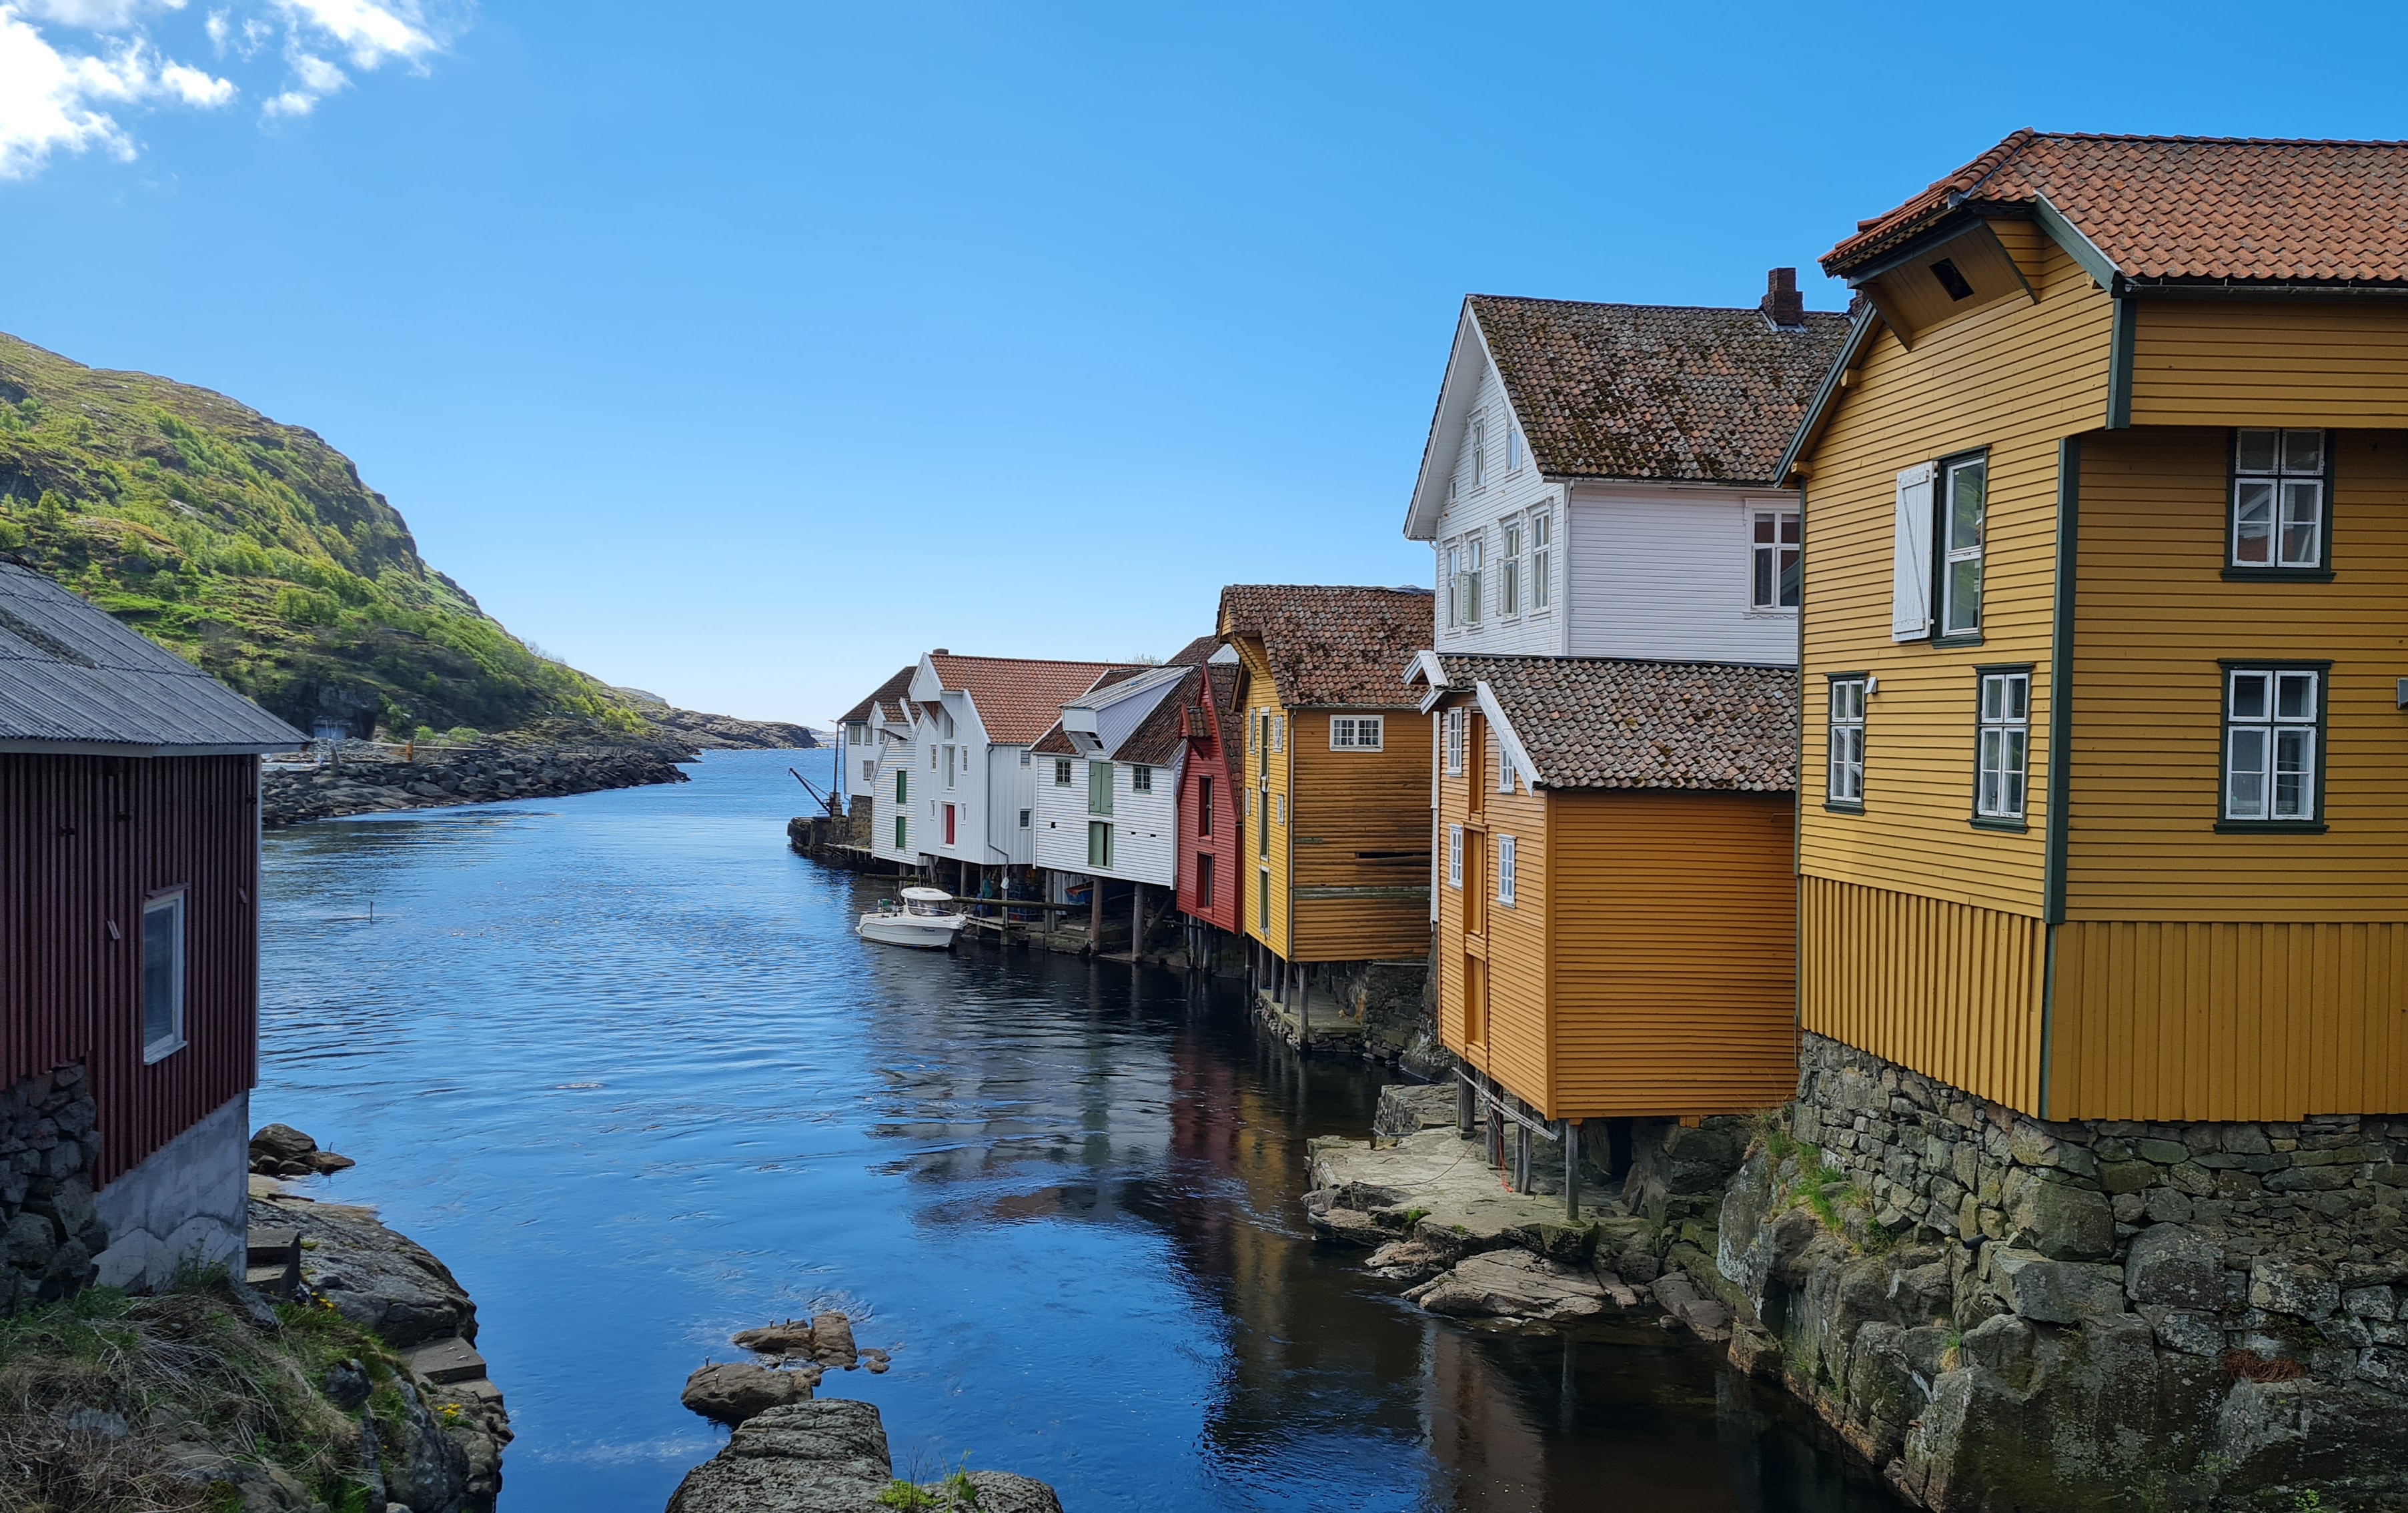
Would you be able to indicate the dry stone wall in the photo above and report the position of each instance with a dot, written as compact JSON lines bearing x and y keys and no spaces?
{"x":2008,"y":1312}
{"x":49,"y":1145}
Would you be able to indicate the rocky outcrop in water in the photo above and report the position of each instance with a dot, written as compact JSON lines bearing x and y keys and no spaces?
{"x":371,"y":783}
{"x":830,"y":1456}
{"x":280,"y":1150}
{"x":726,"y":732}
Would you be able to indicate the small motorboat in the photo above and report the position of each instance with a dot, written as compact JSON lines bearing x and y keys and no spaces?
{"x":925,"y":920}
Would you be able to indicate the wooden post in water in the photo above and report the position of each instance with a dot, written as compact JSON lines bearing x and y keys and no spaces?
{"x":1094,"y":914}
{"x":1568,"y":1131}
{"x":1304,"y":1005}
{"x":1137,"y":920}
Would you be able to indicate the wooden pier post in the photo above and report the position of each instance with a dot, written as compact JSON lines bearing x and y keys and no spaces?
{"x":1094,"y":914}
{"x":1568,"y":1131}
{"x":1137,"y":921}
{"x":1304,"y":1004}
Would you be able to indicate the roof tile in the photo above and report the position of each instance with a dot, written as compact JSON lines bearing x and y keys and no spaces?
{"x":1333,"y":647}
{"x":1592,"y":722}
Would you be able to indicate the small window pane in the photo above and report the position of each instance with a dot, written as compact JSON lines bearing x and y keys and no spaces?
{"x":2295,"y":696}
{"x":2249,"y":696}
{"x":2256,"y":450}
{"x":2247,"y":796}
{"x":1965,"y":596}
{"x":162,"y":972}
{"x":2304,"y":451}
{"x":2253,"y":525}
{"x":1763,"y":587}
{"x":2294,"y":753}
{"x":2302,"y":519}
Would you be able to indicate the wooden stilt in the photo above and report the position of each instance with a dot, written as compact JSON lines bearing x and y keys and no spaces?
{"x":1465,"y":1107}
{"x":1567,"y":1130}
{"x":1304,"y":1004}
{"x":1094,"y":914}
{"x":1137,"y":920}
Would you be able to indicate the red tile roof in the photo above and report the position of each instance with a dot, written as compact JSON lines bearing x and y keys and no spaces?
{"x":2186,"y":208}
{"x":1195,"y":652}
{"x":1603,"y":723}
{"x":1333,"y":647}
{"x":1017,"y":698}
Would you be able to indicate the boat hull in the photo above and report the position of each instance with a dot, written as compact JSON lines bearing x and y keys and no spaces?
{"x":900,"y":929}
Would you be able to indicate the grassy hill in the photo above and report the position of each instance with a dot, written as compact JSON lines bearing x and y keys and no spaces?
{"x":253,"y":549}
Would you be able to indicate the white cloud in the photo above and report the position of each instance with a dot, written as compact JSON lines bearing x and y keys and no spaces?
{"x":371,"y":31}
{"x":53,"y":101}
{"x":94,"y":15}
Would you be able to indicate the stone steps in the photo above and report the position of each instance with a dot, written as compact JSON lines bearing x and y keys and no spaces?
{"x":447,"y":1362}
{"x":272,"y":1261}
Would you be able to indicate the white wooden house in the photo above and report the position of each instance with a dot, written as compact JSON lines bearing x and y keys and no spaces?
{"x":1108,"y":780}
{"x":897,"y":793}
{"x":962,"y":787}
{"x":861,"y":737}
{"x":1597,"y":482}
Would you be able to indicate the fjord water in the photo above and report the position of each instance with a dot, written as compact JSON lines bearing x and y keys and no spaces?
{"x":619,"y":1061}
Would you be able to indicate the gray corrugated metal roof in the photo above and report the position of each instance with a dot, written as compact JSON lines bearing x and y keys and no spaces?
{"x":72,"y":678}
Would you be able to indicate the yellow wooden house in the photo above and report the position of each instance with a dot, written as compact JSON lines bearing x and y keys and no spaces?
{"x":1616,"y":905}
{"x":2104,"y":799}
{"x":1336,"y":779}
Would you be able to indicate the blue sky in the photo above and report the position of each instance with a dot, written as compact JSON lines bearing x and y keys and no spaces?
{"x":744,"y":351}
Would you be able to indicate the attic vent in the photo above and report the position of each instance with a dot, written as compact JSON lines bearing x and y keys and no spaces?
{"x":1951,"y":280}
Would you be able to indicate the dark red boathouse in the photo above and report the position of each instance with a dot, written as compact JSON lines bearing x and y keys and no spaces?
{"x":129,"y":945}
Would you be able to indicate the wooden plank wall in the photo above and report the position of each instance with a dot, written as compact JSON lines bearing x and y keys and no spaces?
{"x":2013,"y":379}
{"x":1360,"y":820}
{"x":2271,"y":362}
{"x":1950,"y":989}
{"x":1673,"y":917}
{"x":84,"y":841}
{"x":1519,"y":1048}
{"x":1258,"y":695}
{"x":2154,"y":617}
{"x":1231,"y":875}
{"x":2226,"y":1020}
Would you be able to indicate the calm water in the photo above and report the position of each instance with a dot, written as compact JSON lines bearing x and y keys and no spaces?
{"x":619,"y":1061}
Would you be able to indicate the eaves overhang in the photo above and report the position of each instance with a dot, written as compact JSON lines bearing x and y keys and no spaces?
{"x":1429,"y":488}
{"x":1818,"y":413}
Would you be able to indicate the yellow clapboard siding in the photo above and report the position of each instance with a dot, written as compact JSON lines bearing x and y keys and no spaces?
{"x":2013,"y":379}
{"x":1354,"y":819}
{"x":1672,"y":950}
{"x":1947,"y":988}
{"x":1516,"y":1051}
{"x":2155,"y":615}
{"x":2220,"y":1020}
{"x":2241,"y":362}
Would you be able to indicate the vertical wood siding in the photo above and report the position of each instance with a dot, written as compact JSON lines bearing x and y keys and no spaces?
{"x":1258,"y":695}
{"x":1360,"y":819}
{"x":1947,"y":988}
{"x":2154,"y":617}
{"x":85,"y":840}
{"x":2226,"y":1020}
{"x":1206,"y":759}
{"x":2013,"y":379}
{"x":1663,"y":574}
{"x":2271,"y":362}
{"x":1519,"y":1046}
{"x":1673,"y":921}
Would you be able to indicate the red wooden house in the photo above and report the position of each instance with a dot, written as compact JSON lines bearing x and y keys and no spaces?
{"x":1211,"y":871}
{"x":129,"y":948}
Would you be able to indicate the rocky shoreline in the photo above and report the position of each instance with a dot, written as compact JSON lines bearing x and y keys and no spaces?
{"x":370,"y":782}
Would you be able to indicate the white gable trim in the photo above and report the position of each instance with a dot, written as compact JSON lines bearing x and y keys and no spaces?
{"x":1427,"y":668}
{"x":1506,"y":741}
{"x":1467,"y":363}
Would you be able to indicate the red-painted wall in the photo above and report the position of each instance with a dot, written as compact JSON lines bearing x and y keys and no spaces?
{"x":84,"y":841}
{"x":1206,"y":758}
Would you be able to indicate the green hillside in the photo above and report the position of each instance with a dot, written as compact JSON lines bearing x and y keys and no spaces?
{"x":253,"y":549}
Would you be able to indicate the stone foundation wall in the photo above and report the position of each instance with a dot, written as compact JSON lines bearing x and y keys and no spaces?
{"x":185,"y":1206}
{"x":2012,"y":1313}
{"x":50,"y":1232}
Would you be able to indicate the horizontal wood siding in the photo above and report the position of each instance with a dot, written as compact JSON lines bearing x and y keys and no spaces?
{"x":1673,"y":928}
{"x":1258,"y":695}
{"x":1360,"y":819}
{"x":2226,"y":1020}
{"x":2013,"y":379}
{"x":1204,"y":760}
{"x":1144,"y":824}
{"x":2271,"y":362}
{"x":84,"y":841}
{"x":2154,"y":615}
{"x":1663,"y":574}
{"x":1480,"y":509}
{"x":1518,"y":1049}
{"x":1947,"y":988}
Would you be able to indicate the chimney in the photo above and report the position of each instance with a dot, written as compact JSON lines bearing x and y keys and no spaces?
{"x":1784,"y":306}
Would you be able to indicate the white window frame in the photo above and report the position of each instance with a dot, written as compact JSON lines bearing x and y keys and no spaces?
{"x":1512,"y":446}
{"x":1358,"y":732}
{"x":1278,"y":732}
{"x":1279,"y":802}
{"x":1542,"y":558}
{"x":1473,"y":608}
{"x":1957,"y":619}
{"x":170,"y":907}
{"x":1454,"y":742}
{"x":2002,"y":747}
{"x":1024,"y":756}
{"x":1509,"y":572}
{"x":1505,"y":870}
{"x":2276,"y":733}
{"x":1451,"y":570}
{"x":1027,"y":816}
{"x":1478,"y":451}
{"x":1454,"y":857}
{"x":1844,"y":777}
{"x":1764,"y":557}
{"x":2285,"y":482}
{"x":1504,"y":764}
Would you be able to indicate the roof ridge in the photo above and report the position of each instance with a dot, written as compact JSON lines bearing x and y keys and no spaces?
{"x":1627,"y":304}
{"x":2232,"y":141}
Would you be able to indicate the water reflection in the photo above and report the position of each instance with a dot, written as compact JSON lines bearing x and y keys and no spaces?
{"x":620,"y":1060}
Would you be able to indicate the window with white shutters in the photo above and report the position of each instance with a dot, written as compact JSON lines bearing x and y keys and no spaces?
{"x":1910,"y":593}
